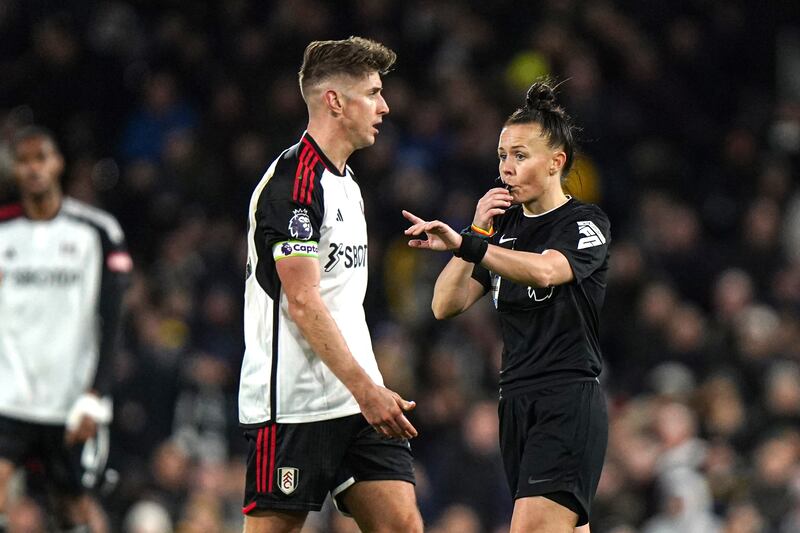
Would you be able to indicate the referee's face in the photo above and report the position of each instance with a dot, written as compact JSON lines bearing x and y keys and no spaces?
{"x":363,"y":108}
{"x":37,"y":166}
{"x":528,"y":165}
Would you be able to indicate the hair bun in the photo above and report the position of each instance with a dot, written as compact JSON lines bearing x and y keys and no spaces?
{"x":540,"y":97}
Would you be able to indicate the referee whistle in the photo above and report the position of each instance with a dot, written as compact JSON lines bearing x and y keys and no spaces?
{"x":503,"y":183}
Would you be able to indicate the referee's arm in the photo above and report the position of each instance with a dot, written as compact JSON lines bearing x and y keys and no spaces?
{"x":382,"y":408}
{"x":455,"y":290}
{"x":546,"y":269}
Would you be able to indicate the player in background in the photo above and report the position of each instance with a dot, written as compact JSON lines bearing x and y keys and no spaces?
{"x":63,"y":270}
{"x":543,"y":255}
{"x":311,"y":399}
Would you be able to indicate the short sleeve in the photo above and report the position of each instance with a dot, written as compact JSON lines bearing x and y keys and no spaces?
{"x":583,"y":239}
{"x":482,"y":276}
{"x":289,"y":223}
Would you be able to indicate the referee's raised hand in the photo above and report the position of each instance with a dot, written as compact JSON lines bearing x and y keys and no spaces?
{"x":441,"y":237}
{"x":493,"y":203}
{"x":384,"y":410}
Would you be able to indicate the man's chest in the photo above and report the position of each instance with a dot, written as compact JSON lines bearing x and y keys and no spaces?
{"x":343,"y":235}
{"x":45,"y":254}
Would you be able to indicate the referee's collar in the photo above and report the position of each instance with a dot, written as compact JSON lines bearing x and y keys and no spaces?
{"x":307,"y":138}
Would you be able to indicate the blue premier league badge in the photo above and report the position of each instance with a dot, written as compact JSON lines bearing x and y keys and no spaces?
{"x":286,"y":248}
{"x":300,"y":225}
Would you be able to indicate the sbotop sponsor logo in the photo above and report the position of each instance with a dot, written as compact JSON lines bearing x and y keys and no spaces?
{"x":349,"y":255}
{"x":44,"y":277}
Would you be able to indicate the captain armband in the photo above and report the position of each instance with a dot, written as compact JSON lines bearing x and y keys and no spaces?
{"x":284,"y":249}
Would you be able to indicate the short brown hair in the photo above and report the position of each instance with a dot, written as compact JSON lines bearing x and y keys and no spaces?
{"x":354,"y":56}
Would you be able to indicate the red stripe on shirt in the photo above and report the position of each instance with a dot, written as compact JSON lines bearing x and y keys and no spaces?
{"x":312,"y":160}
{"x":308,"y":143}
{"x":308,"y":177}
{"x":308,"y":166}
{"x":311,"y":186}
{"x":7,"y":212}
{"x":250,"y":507}
{"x":299,"y":171}
{"x":272,"y":457}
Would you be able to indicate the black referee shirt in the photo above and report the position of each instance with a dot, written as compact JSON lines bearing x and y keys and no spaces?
{"x":550,"y":334}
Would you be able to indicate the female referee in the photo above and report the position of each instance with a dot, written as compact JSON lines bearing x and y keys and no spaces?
{"x":543,"y":255}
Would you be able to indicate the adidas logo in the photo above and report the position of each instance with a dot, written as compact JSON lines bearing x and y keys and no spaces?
{"x":339,"y":217}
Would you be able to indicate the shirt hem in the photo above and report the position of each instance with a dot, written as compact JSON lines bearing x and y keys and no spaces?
{"x":303,"y":418}
{"x":561,"y":378}
{"x":27,"y":416}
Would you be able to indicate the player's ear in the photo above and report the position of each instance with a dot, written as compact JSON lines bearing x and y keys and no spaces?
{"x":59,"y":163}
{"x":333,"y":101}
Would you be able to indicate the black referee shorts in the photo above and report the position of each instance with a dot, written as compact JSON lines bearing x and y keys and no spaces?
{"x":292,"y":467}
{"x":554,"y":441}
{"x":40,"y":448}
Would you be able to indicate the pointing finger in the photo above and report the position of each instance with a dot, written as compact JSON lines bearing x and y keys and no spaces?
{"x":412,"y":217}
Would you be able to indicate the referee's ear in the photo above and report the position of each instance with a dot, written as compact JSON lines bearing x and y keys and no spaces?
{"x":558,"y":161}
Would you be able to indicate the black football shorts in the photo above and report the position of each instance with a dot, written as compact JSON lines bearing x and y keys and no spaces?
{"x":292,"y":467}
{"x":554,"y":441}
{"x":41,"y":449}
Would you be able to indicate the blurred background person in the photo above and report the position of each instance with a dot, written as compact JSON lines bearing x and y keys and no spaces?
{"x":63,"y":271}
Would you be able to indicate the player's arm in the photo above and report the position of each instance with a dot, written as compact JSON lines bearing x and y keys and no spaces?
{"x":94,"y":406}
{"x":382,"y":408}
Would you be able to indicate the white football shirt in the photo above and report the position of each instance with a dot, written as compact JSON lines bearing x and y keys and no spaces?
{"x":302,"y":207}
{"x":60,"y":291}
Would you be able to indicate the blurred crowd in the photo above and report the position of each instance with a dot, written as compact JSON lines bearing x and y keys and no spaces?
{"x":169,"y":112}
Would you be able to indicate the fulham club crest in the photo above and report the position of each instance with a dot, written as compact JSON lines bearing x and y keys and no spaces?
{"x":287,"y":479}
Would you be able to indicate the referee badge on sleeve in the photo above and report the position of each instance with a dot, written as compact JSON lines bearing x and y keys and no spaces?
{"x":592,"y":236}
{"x":287,"y":479}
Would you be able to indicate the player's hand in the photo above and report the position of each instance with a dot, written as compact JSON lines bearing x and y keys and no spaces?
{"x":87,"y":428}
{"x":493,"y":203}
{"x":384,"y":410}
{"x":441,"y":237}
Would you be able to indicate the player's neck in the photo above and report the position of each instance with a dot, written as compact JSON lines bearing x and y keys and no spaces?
{"x":42,"y":207}
{"x":545,"y":203}
{"x":333,"y":144}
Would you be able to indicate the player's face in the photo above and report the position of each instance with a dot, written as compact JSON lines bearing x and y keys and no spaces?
{"x":363,"y":108}
{"x":37,"y":166}
{"x":527,"y":162}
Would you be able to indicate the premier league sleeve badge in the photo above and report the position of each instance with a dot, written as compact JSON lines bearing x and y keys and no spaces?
{"x":300,"y":225}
